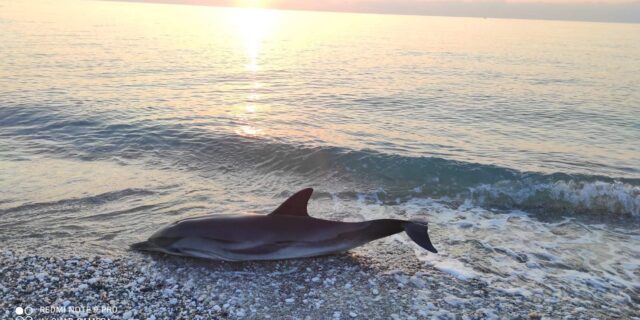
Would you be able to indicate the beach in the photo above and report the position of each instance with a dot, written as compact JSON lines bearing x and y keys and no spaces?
{"x":381,"y":281}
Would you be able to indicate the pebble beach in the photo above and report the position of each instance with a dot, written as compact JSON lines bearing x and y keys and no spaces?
{"x":380,"y":281}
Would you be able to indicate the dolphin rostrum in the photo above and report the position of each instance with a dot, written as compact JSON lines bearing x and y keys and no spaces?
{"x":288,"y":232}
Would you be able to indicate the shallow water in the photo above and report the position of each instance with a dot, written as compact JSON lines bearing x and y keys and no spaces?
{"x":518,"y":140}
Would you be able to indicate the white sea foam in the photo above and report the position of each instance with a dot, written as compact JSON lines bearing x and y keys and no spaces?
{"x":520,"y":255}
{"x":569,"y":196}
{"x":448,"y":265}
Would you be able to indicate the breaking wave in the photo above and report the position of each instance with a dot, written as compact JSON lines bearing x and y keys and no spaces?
{"x":388,"y":178}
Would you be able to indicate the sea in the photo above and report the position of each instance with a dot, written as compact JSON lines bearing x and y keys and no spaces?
{"x":517,"y":140}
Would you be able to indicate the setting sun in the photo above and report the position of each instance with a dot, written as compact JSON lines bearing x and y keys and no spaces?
{"x":252,"y":3}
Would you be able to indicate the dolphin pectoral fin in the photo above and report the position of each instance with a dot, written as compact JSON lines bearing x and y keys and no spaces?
{"x":418,"y":232}
{"x":161,"y":244}
{"x":142,"y":246}
{"x":296,"y":205}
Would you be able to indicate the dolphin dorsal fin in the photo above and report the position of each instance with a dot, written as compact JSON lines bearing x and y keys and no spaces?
{"x":296,"y":205}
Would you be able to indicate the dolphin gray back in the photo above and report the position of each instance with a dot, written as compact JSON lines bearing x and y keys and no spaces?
{"x":287,"y":232}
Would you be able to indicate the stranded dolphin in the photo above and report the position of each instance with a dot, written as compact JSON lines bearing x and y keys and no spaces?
{"x":288,"y":232}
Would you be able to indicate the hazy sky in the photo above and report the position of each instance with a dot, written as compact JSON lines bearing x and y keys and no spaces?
{"x":588,"y":10}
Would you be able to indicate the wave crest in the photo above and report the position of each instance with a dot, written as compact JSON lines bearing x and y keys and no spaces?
{"x":388,"y":177}
{"x":597,"y":197}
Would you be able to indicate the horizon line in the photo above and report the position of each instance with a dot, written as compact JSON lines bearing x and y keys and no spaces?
{"x":634,"y":21}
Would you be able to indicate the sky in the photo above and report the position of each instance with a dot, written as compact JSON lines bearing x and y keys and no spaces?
{"x":584,"y":10}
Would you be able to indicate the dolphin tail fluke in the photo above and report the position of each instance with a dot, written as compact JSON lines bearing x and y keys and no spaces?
{"x":418,"y":232}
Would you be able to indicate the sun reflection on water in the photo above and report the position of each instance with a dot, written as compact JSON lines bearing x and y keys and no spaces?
{"x":253,"y":26}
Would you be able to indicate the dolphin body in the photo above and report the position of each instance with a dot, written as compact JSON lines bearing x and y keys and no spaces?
{"x":286,"y":233}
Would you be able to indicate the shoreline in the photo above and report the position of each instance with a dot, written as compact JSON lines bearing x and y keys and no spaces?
{"x":381,"y":281}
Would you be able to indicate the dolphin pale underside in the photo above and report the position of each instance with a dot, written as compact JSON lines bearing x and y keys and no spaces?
{"x":286,"y":233}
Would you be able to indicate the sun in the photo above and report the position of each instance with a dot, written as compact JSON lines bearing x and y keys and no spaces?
{"x":252,"y":3}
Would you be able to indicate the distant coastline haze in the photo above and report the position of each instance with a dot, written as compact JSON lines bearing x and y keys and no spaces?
{"x":571,"y":10}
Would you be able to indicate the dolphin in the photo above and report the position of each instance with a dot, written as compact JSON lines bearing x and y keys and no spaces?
{"x":286,"y":233}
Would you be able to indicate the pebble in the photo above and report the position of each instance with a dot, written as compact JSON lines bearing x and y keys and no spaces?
{"x":93,"y":280}
{"x":417,"y":282}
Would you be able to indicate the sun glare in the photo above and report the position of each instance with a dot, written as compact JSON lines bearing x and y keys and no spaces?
{"x":253,"y":25}
{"x":251,"y":3}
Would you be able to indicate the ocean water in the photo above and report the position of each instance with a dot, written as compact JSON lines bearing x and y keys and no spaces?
{"x":518,"y":140}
